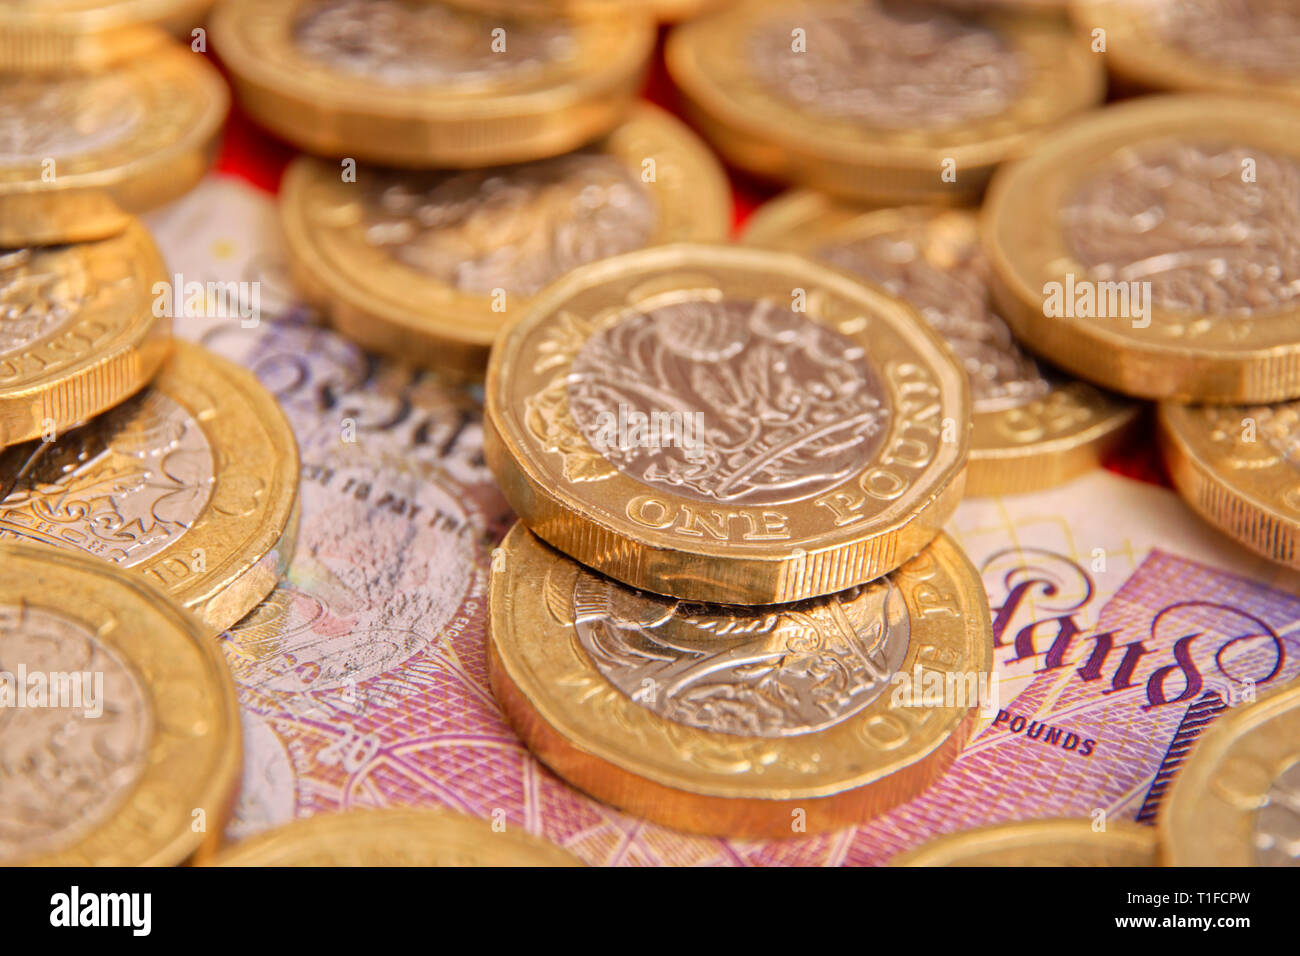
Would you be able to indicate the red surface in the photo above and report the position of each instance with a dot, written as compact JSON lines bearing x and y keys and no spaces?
{"x":250,"y":152}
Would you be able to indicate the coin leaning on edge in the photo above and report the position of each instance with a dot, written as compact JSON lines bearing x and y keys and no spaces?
{"x":428,"y":266}
{"x":192,"y":483}
{"x":727,"y":424}
{"x":1149,"y":247}
{"x":670,"y":710}
{"x":163,"y":755}
{"x":1216,"y":47}
{"x":809,"y":93}
{"x":81,"y":331}
{"x":88,"y":150}
{"x":1032,"y":428}
{"x":494,"y":91}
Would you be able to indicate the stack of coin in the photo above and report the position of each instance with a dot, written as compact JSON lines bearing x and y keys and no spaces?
{"x":1153,"y":247}
{"x":172,"y":473}
{"x":731,"y":467}
{"x":472,"y":159}
{"x":113,"y":440}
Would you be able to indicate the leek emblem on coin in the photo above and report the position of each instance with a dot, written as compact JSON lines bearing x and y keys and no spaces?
{"x":888,"y":102}
{"x":119,"y":725}
{"x":425,"y":84}
{"x":78,"y":333}
{"x":726,"y":424}
{"x":1032,"y":428}
{"x":1154,"y":247}
{"x":193,"y":483}
{"x":724,"y":719}
{"x":79,"y":152}
{"x":428,"y":266}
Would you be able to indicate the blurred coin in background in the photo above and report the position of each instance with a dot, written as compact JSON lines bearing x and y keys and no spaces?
{"x":193,"y":483}
{"x":1215,"y":46}
{"x":1032,"y":427}
{"x":664,"y":10}
{"x":723,"y":423}
{"x":64,"y":36}
{"x":79,"y":152}
{"x":424,"y":84}
{"x":1238,"y":466}
{"x":78,"y":331}
{"x":1153,"y":247}
{"x":427,"y":266}
{"x":1236,"y":801}
{"x":1040,"y":843}
{"x":744,"y":722}
{"x":393,"y":838}
{"x":130,"y":756}
{"x":879,"y":101}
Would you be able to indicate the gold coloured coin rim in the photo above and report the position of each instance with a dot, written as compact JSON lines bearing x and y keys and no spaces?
{"x":1245,"y":505}
{"x":438,"y":102}
{"x":1209,"y":820}
{"x":86,"y":16}
{"x":1128,"y":357}
{"x":573,"y":522}
{"x":1121,"y":838}
{"x":238,"y":573}
{"x":100,"y":377}
{"x":1137,"y":52}
{"x":422,"y":313}
{"x":597,"y":747}
{"x":371,"y":831}
{"x":214,"y":794}
{"x":690,"y":44}
{"x":121,"y":164}
{"x":77,"y":39}
{"x":798,"y":219}
{"x":232,"y":586}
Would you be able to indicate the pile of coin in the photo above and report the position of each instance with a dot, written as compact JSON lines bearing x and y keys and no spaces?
{"x":728,"y":604}
{"x":148,"y":488}
{"x":740,"y":462}
{"x":464,"y":159}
